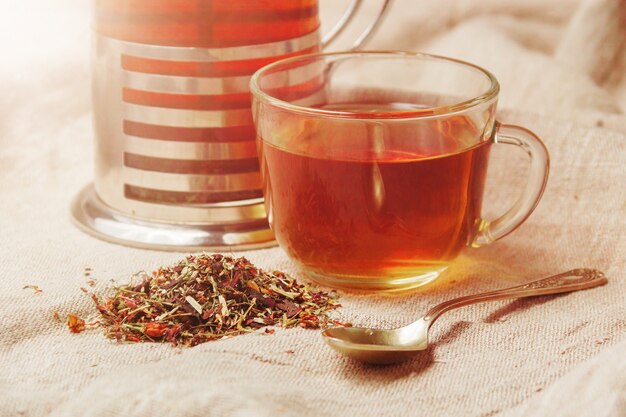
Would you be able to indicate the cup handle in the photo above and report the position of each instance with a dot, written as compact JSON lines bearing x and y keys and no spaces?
{"x":489,"y":231}
{"x":347,"y":17}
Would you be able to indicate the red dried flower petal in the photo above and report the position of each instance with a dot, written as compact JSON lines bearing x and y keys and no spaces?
{"x":75,"y":323}
{"x":155,"y":330}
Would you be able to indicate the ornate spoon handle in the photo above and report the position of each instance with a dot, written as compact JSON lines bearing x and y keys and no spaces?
{"x":574,"y":280}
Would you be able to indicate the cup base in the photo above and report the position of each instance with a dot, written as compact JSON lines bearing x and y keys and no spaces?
{"x":379,"y":285}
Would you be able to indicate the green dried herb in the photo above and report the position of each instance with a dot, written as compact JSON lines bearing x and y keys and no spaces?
{"x":208,"y":297}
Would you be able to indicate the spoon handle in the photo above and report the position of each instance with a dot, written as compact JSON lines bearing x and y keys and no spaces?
{"x":574,"y":280}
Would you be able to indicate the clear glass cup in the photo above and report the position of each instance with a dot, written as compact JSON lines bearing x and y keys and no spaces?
{"x":374,"y":166}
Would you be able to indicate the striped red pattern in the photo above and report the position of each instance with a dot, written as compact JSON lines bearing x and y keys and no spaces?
{"x":204,"y":69}
{"x":187,"y":101}
{"x":198,"y":24}
{"x":189,"y":134}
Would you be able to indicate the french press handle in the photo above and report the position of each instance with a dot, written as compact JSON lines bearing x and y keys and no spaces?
{"x":348,"y":16}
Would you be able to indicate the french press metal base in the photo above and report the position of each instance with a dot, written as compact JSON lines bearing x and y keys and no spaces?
{"x":93,"y":216}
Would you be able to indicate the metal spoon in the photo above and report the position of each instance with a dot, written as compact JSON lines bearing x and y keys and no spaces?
{"x":396,"y":345}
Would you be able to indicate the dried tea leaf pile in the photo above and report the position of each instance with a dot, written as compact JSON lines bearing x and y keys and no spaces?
{"x":207,"y":297}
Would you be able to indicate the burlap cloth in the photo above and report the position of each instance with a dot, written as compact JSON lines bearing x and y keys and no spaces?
{"x":562,"y":74}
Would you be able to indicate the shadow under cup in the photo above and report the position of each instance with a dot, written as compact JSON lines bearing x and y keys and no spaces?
{"x":374,"y":164}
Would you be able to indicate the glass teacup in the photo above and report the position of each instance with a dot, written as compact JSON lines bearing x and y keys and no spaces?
{"x":374,"y":166}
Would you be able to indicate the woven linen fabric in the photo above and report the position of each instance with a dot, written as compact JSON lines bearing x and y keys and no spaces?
{"x":548,"y":356}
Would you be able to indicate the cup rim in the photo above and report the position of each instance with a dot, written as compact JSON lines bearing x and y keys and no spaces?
{"x":487,"y":96}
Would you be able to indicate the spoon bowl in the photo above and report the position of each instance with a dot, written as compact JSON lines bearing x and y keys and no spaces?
{"x":374,"y":346}
{"x":378,"y":346}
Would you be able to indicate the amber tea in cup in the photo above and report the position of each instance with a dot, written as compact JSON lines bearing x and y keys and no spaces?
{"x":374,"y":169}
